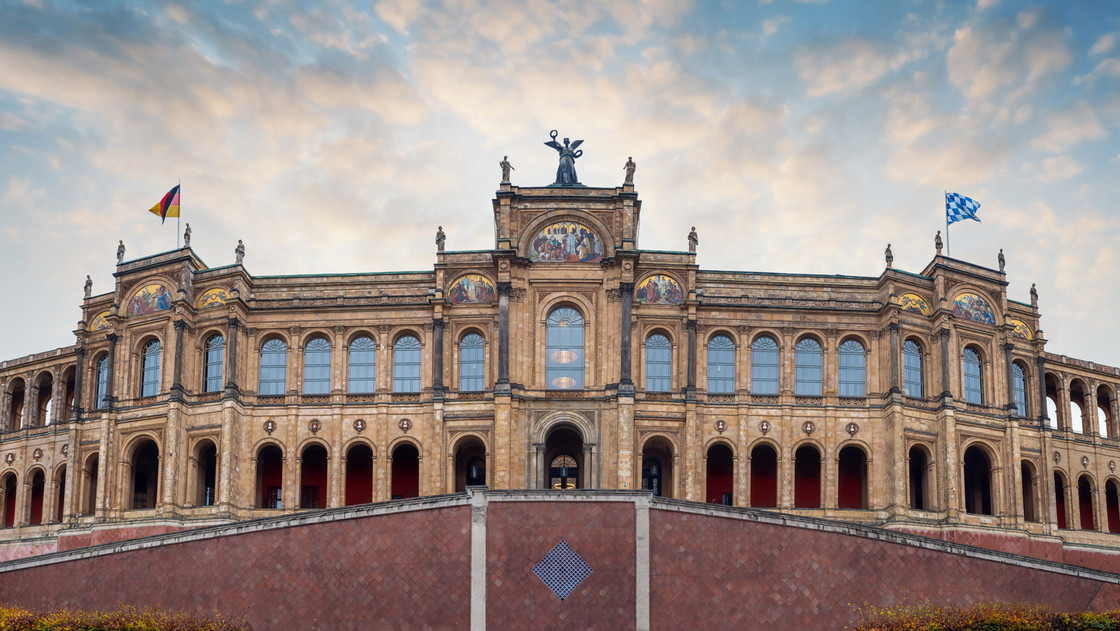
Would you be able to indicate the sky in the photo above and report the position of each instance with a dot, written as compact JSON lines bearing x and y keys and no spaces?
{"x":334,"y":137}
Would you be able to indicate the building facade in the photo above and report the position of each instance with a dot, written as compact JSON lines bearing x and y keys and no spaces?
{"x":565,"y":357}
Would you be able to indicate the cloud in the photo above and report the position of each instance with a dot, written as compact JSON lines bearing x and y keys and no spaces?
{"x":1106,"y":68}
{"x":771,"y":26}
{"x":848,"y":66}
{"x":11,"y":122}
{"x":1104,"y":44}
{"x":1059,"y":168}
{"x":1067,"y":128}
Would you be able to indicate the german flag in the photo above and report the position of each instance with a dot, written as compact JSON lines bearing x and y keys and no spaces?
{"x":168,"y":206}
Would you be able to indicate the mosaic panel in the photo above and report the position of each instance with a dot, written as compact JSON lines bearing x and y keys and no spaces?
{"x":1021,"y":330}
{"x":659,"y":289}
{"x":915,"y":303}
{"x":100,"y":321}
{"x":154,"y":297}
{"x":973,"y":307}
{"x":566,"y":242}
{"x":471,"y":288}
{"x":212,"y":298}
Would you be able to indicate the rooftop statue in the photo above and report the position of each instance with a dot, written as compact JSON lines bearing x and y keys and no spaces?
{"x":566,"y":172}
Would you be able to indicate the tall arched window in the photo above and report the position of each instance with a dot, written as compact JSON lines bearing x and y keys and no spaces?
{"x":472,"y":363}
{"x":406,"y":364}
{"x":362,"y":371}
{"x":721,"y":365}
{"x":912,"y":369}
{"x":853,"y":369}
{"x":563,"y":367}
{"x":807,"y":376}
{"x":317,"y":367}
{"x":1019,"y":380}
{"x":102,"y":382}
{"x":764,"y":366}
{"x":659,"y":365}
{"x":274,"y":368}
{"x":973,"y":381}
{"x":215,"y":354}
{"x":149,"y":380}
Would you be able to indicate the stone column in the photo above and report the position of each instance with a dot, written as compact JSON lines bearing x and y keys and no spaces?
{"x":5,"y":406}
{"x":690,"y":390}
{"x":79,"y":370}
{"x":1010,"y":374}
{"x":110,"y":392}
{"x":1043,"y":414}
{"x":625,"y":383}
{"x":177,"y":368}
{"x":437,"y":358}
{"x":945,"y":388}
{"x":586,"y":474}
{"x":502,"y":385}
{"x":58,"y":400}
{"x":31,"y":402}
{"x":894,"y":358}
{"x":231,"y":360}
{"x":540,"y":467}
{"x":1089,"y":415}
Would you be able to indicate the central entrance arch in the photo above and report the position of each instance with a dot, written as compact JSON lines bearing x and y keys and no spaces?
{"x":563,"y":452}
{"x":563,"y":456}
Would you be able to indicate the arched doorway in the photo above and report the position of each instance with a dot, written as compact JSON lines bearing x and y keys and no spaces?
{"x":470,"y":463}
{"x":9,"y":487}
{"x":145,"y":475}
{"x":563,"y":459}
{"x":720,"y":486}
{"x":1085,"y":503}
{"x":1060,"y":500}
{"x":206,"y":478}
{"x":60,"y":484}
{"x":851,"y":491}
{"x":38,"y":489}
{"x":1030,"y":495}
{"x":89,"y":479}
{"x":807,"y":477}
{"x":406,"y":472}
{"x":977,"y":482}
{"x":764,"y":476}
{"x":270,"y":477}
{"x":313,"y":477}
{"x":919,"y":491}
{"x":359,"y":474}
{"x":1112,"y":506}
{"x":657,"y":467}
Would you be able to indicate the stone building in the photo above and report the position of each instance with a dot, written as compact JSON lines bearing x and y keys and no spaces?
{"x":565,"y":357}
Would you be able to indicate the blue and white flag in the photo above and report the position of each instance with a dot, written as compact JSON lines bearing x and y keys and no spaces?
{"x":958,"y":208}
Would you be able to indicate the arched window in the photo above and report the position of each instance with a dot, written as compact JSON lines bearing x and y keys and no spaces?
{"x":149,"y":380}
{"x":853,"y":369}
{"x":362,"y":377}
{"x":807,"y":377}
{"x":659,"y":365}
{"x":912,"y":369}
{"x":472,"y":363}
{"x":563,"y":367}
{"x":973,"y":381}
{"x":215,"y":354}
{"x":1019,"y":381}
{"x":764,"y":366}
{"x":274,"y":368}
{"x":406,"y":364}
{"x":317,"y":367}
{"x":721,"y":365}
{"x":102,"y":382}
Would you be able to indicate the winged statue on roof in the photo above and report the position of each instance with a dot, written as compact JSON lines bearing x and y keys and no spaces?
{"x":566,"y":172}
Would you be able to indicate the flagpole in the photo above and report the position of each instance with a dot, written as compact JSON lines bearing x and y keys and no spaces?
{"x":180,"y":215}
{"x":945,"y":200}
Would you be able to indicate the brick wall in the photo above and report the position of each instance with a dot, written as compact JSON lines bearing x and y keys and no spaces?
{"x":409,"y":565}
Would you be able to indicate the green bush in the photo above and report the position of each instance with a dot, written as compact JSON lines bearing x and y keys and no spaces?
{"x":123,"y":619}
{"x":986,"y":616}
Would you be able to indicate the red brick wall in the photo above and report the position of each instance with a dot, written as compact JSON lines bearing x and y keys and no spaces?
{"x":412,"y":568}
{"x":714,"y":573}
{"x":520,"y":534}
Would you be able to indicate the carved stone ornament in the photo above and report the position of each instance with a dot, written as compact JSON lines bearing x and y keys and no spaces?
{"x":1111,"y":465}
{"x":314,"y":425}
{"x":809,"y":427}
{"x":65,"y":449}
{"x":852,"y":429}
{"x":359,"y":425}
{"x":10,"y":458}
{"x":37,"y":454}
{"x":270,"y":426}
{"x":764,"y":426}
{"x":1084,"y":462}
{"x":1057,"y":457}
{"x":405,"y":425}
{"x":721,"y":426}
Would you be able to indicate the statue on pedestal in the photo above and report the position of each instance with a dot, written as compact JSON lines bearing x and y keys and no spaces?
{"x":1002,"y":261}
{"x":693,"y":239}
{"x":440,"y":239}
{"x":239,"y":251}
{"x":187,"y":236}
{"x":120,"y":252}
{"x":889,"y":256}
{"x":89,"y":286}
{"x":566,"y":172}
{"x":938,"y":243}
{"x":630,"y":167}
{"x":506,"y":167}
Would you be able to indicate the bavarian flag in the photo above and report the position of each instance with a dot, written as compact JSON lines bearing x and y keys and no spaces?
{"x":168,"y":206}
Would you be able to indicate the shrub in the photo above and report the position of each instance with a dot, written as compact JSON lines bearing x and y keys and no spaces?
{"x":987,"y":616}
{"x":124,"y":618}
